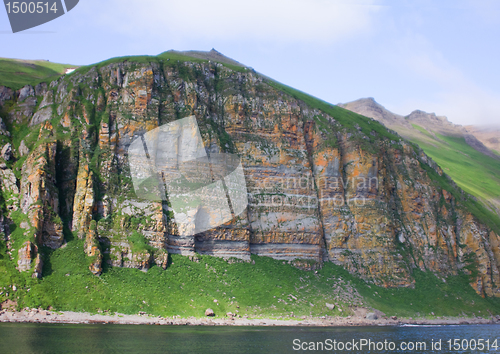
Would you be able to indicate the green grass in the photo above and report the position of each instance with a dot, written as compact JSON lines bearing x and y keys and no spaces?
{"x":264,"y":289}
{"x":166,"y":58}
{"x":18,"y":73}
{"x":349,"y":120}
{"x":139,"y":243}
{"x":476,"y":208}
{"x":473,"y":171}
{"x":431,"y":295}
{"x":423,"y":131}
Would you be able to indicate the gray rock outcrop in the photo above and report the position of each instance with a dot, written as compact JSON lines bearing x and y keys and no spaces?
{"x":7,"y":152}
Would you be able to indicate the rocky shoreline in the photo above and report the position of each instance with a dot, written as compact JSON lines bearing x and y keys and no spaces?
{"x":68,"y":317}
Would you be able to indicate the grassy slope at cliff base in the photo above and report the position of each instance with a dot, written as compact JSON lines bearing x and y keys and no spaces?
{"x":262,"y":288}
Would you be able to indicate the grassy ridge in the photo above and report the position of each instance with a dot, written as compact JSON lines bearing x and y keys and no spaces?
{"x":267,"y":288}
{"x":167,"y":58}
{"x":349,"y":120}
{"x":18,"y":73}
{"x":471,"y":170}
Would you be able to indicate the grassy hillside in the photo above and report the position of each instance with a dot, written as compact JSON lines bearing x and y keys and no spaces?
{"x":263,"y":288}
{"x":18,"y":73}
{"x":473,"y":171}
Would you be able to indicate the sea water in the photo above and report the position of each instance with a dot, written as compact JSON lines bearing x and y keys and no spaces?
{"x":109,"y":338}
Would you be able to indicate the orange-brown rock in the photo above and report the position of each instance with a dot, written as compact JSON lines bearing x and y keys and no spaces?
{"x":39,"y":195}
{"x":318,"y":190}
{"x":83,"y":205}
{"x":25,"y":256}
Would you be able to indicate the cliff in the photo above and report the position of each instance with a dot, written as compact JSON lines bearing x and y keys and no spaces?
{"x":324,"y":184}
{"x":466,"y":154}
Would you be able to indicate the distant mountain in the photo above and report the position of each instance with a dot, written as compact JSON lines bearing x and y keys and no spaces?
{"x":370,"y":108}
{"x":488,"y":135}
{"x":459,"y":150}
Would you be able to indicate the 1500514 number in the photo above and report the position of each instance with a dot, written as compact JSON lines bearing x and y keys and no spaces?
{"x":30,"y":7}
{"x":472,"y":344}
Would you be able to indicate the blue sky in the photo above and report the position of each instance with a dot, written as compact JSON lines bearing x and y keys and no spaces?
{"x":438,"y":56}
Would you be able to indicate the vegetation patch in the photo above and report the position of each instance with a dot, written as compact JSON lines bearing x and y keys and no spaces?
{"x":474,"y":172}
{"x":350,"y":121}
{"x":264,"y":287}
{"x":18,"y":73}
{"x":139,"y":243}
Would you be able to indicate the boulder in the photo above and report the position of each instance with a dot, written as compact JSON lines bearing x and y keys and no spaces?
{"x":209,"y":312}
{"x":25,"y":92}
{"x":25,"y":255}
{"x":48,"y":99}
{"x":3,"y":127}
{"x":371,"y":316}
{"x":40,"y":89}
{"x":23,"y":149}
{"x":7,"y":152}
{"x":5,"y":94}
{"x":41,"y":115}
{"x":37,"y":272}
{"x":330,"y":306}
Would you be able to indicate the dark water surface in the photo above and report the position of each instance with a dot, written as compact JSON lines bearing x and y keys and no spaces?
{"x":59,"y":338}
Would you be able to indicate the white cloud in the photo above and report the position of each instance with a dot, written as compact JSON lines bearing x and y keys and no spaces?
{"x":266,"y":20}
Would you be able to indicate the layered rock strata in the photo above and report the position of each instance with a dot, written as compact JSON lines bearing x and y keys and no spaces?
{"x":317,"y":192}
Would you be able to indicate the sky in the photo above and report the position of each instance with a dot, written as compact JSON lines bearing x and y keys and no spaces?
{"x":440,"y":56}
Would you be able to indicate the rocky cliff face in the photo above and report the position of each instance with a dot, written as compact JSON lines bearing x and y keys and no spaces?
{"x":318,"y":191}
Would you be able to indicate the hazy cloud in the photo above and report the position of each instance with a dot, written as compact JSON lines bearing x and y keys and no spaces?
{"x":266,"y":20}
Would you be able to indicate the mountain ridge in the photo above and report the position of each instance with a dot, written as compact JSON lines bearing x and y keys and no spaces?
{"x":429,"y":121}
{"x":433,"y":134}
{"x":213,"y":54}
